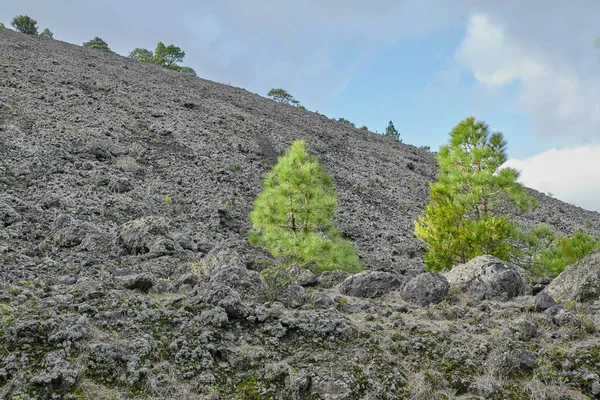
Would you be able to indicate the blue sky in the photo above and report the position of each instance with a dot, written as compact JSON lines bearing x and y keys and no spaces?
{"x":529,"y":69}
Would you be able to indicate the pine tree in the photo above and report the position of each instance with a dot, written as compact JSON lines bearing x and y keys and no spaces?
{"x":98,"y":44}
{"x":391,"y":131}
{"x":468,"y":211}
{"x":281,"y":96}
{"x":25,"y":24}
{"x":292,"y":216}
{"x":47,"y":34}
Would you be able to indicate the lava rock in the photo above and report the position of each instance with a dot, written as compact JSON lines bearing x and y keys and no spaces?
{"x":487,"y":277}
{"x":292,"y":297}
{"x":142,"y":282}
{"x":371,"y":284}
{"x":425,"y":289}
{"x":580,"y":281}
{"x":225,"y":266}
{"x":543,"y":302}
{"x":329,"y":279}
{"x":303,"y":276}
{"x":146,"y":235}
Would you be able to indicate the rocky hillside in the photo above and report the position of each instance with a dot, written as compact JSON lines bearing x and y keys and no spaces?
{"x":124,"y":198}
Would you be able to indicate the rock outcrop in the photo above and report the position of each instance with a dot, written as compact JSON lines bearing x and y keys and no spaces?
{"x":580,"y":281}
{"x":425,"y":289}
{"x":487,"y":277}
{"x":371,"y":284}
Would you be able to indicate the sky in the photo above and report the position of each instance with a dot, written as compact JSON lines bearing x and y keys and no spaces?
{"x":530,"y":69}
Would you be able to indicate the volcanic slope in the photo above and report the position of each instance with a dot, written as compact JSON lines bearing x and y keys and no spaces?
{"x":118,"y":179}
{"x":106,"y":140}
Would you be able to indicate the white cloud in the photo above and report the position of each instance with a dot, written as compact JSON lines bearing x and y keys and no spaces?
{"x":559,"y":94}
{"x":570,"y":174}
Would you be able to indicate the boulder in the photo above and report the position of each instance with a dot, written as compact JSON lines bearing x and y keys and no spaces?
{"x":223,"y":296}
{"x":225,"y":265}
{"x":142,"y":282}
{"x":292,"y":297}
{"x":329,"y":279}
{"x":371,"y":284}
{"x":580,"y":281}
{"x":543,"y":301}
{"x":146,"y":235}
{"x":425,"y":289}
{"x":487,"y":277}
{"x":303,"y":276}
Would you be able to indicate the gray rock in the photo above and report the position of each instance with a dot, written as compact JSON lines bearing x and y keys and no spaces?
{"x":74,"y":234}
{"x":147,"y":235}
{"x":120,"y":185}
{"x":223,"y":296}
{"x":142,"y":282}
{"x":580,"y":281}
{"x":303,"y":276}
{"x":526,"y":359}
{"x":524,"y":327}
{"x":186,"y":279}
{"x":8,"y":215}
{"x":425,"y":289}
{"x":565,"y":318}
{"x":225,"y":265}
{"x":329,"y":279}
{"x":70,"y":331}
{"x":371,"y":284}
{"x":323,"y":301}
{"x":487,"y":277}
{"x":292,"y":297}
{"x":543,"y":301}
{"x":58,"y":374}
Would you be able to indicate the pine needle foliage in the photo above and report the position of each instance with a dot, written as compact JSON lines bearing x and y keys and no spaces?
{"x":292,"y":216}
{"x":548,"y":254}
{"x":468,"y":211}
{"x":25,"y":24}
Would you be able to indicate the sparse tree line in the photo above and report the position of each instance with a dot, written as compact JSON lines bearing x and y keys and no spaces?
{"x":282,"y":96}
{"x":467,"y":214}
{"x":164,"y":56}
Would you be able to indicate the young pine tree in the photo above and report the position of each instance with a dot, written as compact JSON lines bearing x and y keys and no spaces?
{"x":391,"y":131}
{"x":467,"y":213}
{"x":292,"y":216}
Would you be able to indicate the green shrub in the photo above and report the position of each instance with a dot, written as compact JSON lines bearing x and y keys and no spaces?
{"x":292,"y":216}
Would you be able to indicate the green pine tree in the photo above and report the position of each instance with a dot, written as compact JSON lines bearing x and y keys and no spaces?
{"x":98,"y":44}
{"x":25,"y":24}
{"x":466,"y":215}
{"x":292,"y":217}
{"x":391,"y":131}
{"x":47,"y":34}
